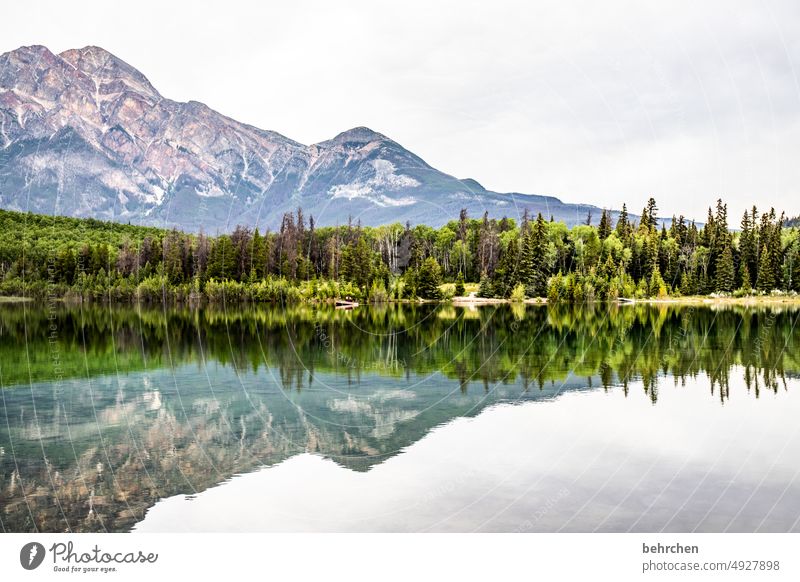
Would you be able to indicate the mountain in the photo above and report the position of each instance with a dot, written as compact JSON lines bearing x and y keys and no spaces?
{"x":83,"y":133}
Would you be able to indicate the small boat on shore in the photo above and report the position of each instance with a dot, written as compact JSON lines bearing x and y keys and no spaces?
{"x":345,"y":303}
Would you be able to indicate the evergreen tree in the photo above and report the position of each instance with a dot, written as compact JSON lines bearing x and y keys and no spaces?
{"x":623,"y":226}
{"x":536,"y":285}
{"x":256,"y":255}
{"x":747,"y":252}
{"x":765,"y":280}
{"x":459,"y":292}
{"x":526,"y":263}
{"x":357,"y":263}
{"x":725,"y":276}
{"x":745,"y":278}
{"x":657,"y":286}
{"x":428,"y":279}
{"x":652,"y":212}
{"x":649,"y":218}
{"x":173,"y":257}
{"x":485,"y":289}
{"x":222,"y":262}
{"x":687,"y":284}
{"x":507,"y":276}
{"x":719,"y":238}
{"x":604,"y":228}
{"x":793,"y":268}
{"x":776,"y":251}
{"x":608,"y":269}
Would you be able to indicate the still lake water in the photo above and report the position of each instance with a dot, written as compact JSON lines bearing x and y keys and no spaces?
{"x":399,"y":418}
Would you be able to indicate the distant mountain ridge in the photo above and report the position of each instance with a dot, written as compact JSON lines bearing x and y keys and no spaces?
{"x":85,"y":134}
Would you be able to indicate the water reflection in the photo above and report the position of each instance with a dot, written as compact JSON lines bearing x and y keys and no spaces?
{"x":108,"y":410}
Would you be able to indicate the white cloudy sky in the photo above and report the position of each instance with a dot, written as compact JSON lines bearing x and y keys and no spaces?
{"x":592,"y":102}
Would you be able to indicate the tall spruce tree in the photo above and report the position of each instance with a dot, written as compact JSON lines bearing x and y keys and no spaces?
{"x":726,"y":275}
{"x":765,"y":281}
{"x":525,"y":265}
{"x":540,"y":271}
{"x":604,"y":228}
{"x":623,"y":224}
{"x":429,"y":279}
{"x":747,"y":252}
{"x":460,"y":290}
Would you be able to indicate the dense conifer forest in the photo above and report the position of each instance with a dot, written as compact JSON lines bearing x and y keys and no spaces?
{"x":46,"y":256}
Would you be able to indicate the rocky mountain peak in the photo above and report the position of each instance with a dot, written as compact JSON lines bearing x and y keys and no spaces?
{"x":35,"y":55}
{"x":84,"y":133}
{"x":108,"y":71}
{"x":359,"y":135}
{"x":35,"y":74}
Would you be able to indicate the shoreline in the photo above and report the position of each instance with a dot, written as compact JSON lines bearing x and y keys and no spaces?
{"x":493,"y":301}
{"x":462,"y":301}
{"x":14,"y":299}
{"x":750,"y":301}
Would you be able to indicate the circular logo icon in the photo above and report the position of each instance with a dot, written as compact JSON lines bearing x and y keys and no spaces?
{"x":31,"y":555}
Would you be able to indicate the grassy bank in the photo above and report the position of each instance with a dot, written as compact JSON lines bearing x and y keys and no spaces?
{"x":751,"y":300}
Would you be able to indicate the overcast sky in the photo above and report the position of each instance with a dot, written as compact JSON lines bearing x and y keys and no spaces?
{"x":597,"y":103}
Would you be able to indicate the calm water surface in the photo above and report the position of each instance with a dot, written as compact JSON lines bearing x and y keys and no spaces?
{"x":399,"y":418}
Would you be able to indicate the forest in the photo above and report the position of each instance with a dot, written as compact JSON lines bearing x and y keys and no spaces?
{"x":630,"y":257}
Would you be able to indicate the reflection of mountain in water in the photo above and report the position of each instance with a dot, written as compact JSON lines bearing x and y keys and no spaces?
{"x":113,"y":449}
{"x":127,"y":407}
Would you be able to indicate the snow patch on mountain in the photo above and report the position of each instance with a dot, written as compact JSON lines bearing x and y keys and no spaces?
{"x":385,"y":177}
{"x":209,"y":190}
{"x":473,"y":197}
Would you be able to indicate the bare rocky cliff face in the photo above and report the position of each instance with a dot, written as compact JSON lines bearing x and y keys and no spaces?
{"x":83,"y":133}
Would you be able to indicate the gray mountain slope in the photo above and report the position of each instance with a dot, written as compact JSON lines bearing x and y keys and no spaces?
{"x":85,"y":134}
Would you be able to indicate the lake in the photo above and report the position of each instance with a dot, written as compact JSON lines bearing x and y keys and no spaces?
{"x":399,"y":418}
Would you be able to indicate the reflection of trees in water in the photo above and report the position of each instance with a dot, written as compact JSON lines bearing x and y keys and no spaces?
{"x":489,"y":345}
{"x":151,"y":424}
